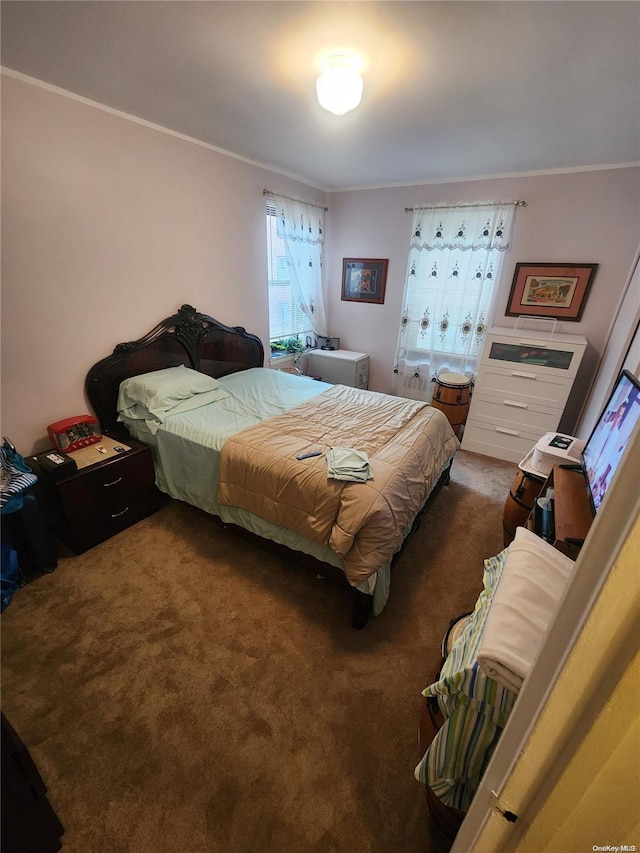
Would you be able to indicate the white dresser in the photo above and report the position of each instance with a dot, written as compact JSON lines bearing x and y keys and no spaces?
{"x":524,"y":380}
{"x":340,"y":367}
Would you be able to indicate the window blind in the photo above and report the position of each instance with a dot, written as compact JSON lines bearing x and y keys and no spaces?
{"x":286,"y":319}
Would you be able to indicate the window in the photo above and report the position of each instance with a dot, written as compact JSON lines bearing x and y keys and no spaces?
{"x":450,"y":296}
{"x":286,"y":318}
{"x":455,"y":256}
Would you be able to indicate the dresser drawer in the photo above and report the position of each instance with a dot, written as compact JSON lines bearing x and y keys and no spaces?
{"x":546,"y":357}
{"x":525,"y":386}
{"x":500,"y":442}
{"x":101,"y":501}
{"x":516,"y":413}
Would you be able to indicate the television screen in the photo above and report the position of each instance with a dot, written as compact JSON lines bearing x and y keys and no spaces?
{"x":607,"y":442}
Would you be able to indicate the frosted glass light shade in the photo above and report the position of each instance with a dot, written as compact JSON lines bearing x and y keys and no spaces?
{"x":339,"y":88}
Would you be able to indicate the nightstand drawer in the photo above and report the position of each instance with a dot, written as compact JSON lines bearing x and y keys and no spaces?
{"x":102,"y":500}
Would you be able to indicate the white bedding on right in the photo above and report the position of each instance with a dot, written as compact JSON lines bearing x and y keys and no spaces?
{"x":533,"y":582}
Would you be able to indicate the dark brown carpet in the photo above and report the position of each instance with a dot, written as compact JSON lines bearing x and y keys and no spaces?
{"x":187,"y":687}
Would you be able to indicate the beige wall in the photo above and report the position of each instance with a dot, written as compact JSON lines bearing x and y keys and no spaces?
{"x":109,"y":225}
{"x":580,"y":217}
{"x":596,"y":800}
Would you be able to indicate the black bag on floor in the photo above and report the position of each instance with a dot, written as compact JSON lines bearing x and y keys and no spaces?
{"x":24,"y":527}
{"x":27,"y":532}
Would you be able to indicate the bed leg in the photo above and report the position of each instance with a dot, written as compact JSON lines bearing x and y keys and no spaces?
{"x":362,"y":607}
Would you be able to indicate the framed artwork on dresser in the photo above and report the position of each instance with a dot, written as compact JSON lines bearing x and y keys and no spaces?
{"x":550,"y":290}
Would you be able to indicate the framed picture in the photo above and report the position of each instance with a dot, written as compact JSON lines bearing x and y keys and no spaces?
{"x":364,"y":280}
{"x":550,"y":290}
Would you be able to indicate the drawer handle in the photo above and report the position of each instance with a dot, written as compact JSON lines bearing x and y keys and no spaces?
{"x":118,"y":514}
{"x":114,"y":483}
{"x":522,"y":375}
{"x":507,"y":431}
{"x":515,"y":404}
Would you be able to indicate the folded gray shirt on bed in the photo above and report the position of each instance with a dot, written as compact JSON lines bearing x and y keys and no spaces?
{"x":344,"y":463}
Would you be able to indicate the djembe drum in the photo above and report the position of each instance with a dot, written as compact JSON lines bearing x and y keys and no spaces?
{"x":522,"y":495}
{"x":452,"y":395}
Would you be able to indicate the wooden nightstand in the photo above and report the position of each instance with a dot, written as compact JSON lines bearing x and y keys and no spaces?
{"x":573,"y":512}
{"x":102,"y":499}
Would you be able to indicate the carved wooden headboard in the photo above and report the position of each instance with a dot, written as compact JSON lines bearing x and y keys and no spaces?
{"x":187,"y":337}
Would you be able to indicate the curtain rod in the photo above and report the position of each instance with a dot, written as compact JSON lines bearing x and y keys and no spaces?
{"x":518,"y":203}
{"x":291,"y":198}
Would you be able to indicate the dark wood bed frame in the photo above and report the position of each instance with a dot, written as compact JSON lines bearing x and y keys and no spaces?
{"x":187,"y":337}
{"x":198,"y":341}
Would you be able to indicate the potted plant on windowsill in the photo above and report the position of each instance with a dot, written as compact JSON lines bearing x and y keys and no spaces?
{"x":288,"y":346}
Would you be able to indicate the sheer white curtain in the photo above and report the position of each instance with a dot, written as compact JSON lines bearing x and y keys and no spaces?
{"x":455,"y":255}
{"x":301,"y":228}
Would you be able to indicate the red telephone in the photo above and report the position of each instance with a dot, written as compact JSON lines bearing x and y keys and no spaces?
{"x":73,"y":433}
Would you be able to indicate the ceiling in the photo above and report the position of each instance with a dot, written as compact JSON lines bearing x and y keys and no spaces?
{"x":452,"y":90}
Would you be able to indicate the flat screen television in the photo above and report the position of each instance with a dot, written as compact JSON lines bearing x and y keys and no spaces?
{"x":606,"y":444}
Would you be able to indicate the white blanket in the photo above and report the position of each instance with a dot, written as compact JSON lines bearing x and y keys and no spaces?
{"x":533,"y":581}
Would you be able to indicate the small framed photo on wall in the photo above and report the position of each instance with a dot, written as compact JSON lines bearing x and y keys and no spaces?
{"x":364,"y":280}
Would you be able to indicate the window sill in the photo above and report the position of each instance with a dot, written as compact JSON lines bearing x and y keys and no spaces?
{"x":288,"y":359}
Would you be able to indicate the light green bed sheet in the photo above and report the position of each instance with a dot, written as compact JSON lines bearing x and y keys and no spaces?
{"x":189,"y":444}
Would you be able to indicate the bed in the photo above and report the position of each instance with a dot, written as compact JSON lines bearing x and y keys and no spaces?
{"x":226,"y":433}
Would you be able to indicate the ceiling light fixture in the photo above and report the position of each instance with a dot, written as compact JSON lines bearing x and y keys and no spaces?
{"x":339,"y":87}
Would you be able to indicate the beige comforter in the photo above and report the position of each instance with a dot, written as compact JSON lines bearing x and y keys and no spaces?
{"x":408,"y":444}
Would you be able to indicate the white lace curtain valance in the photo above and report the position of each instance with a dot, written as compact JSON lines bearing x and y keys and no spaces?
{"x":299,"y":222}
{"x":482,"y":227}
